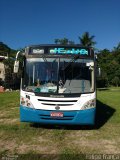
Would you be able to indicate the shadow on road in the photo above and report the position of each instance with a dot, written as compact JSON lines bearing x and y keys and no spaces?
{"x":103,"y":114}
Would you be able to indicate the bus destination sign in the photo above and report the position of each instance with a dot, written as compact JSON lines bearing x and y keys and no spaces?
{"x":80,"y":51}
{"x":58,"y":50}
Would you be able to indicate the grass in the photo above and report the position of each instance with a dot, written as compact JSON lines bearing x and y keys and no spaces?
{"x":30,"y":141}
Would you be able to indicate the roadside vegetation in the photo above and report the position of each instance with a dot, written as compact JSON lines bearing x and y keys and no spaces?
{"x":60,"y":142}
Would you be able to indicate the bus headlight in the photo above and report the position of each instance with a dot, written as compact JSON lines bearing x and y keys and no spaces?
{"x":89,"y":104}
{"x":26,"y":102}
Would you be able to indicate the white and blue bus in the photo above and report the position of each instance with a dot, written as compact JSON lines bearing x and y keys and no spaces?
{"x":58,"y":85}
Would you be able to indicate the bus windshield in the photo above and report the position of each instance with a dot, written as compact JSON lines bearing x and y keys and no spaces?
{"x":58,"y":75}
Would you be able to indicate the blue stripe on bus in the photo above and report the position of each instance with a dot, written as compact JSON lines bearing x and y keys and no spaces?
{"x":81,"y":117}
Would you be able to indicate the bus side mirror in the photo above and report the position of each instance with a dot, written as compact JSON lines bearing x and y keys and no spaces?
{"x":16,"y":66}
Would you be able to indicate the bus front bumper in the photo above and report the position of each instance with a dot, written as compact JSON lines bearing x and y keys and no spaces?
{"x":81,"y":117}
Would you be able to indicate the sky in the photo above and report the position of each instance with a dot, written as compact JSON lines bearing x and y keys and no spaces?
{"x":30,"y":22}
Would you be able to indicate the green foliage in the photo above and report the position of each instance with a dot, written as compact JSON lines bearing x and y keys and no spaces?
{"x":6,"y":51}
{"x":63,"y":41}
{"x":11,"y":80}
{"x":87,"y":40}
{"x":8,"y":72}
{"x":102,"y":82}
{"x":116,"y":81}
{"x":109,"y":62}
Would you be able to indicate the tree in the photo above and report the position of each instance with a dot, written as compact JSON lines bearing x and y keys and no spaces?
{"x":116,"y":49}
{"x":116,"y":53}
{"x":116,"y":81}
{"x":109,"y":62}
{"x":63,"y":41}
{"x":87,"y":40}
{"x":11,"y":80}
{"x":8,"y":73}
{"x":4,"y":49}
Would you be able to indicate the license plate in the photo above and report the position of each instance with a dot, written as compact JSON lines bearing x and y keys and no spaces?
{"x":56,"y":114}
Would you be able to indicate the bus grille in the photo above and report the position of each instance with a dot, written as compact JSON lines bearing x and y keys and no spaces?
{"x":57,"y":102}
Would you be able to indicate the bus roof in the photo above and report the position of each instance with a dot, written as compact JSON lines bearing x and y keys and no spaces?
{"x":60,"y":45}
